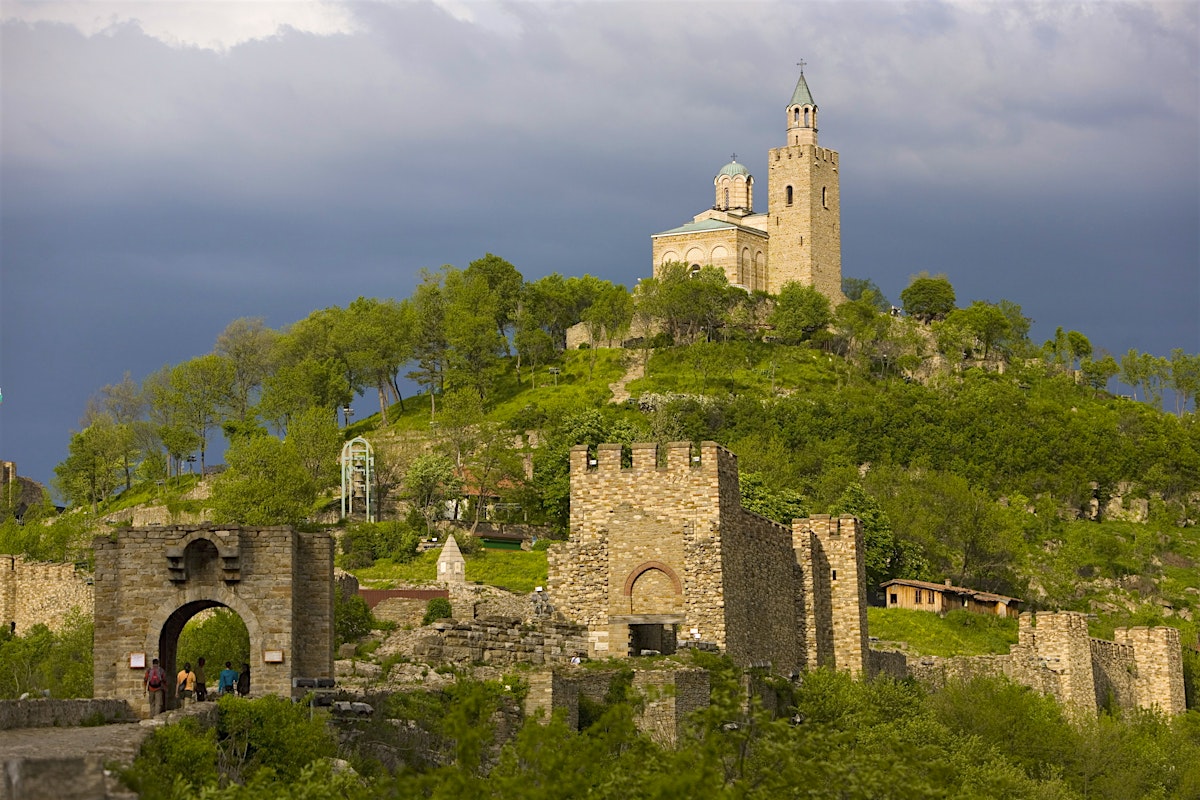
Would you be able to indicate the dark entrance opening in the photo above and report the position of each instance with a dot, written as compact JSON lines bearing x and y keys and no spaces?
{"x":652,"y":639}
{"x":224,"y":641}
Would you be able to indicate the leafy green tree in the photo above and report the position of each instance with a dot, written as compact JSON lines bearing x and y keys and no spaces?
{"x":609,"y":316}
{"x":927,"y":297}
{"x":249,"y":347}
{"x":315,"y":438}
{"x":1097,"y":374}
{"x":857,"y":288}
{"x":475,"y":345}
{"x":40,"y":659}
{"x":193,"y":397}
{"x":431,"y":481}
{"x":800,"y":312}
{"x":430,"y":344}
{"x":861,"y":326}
{"x":269,"y":734}
{"x":352,"y":618}
{"x":687,"y":302}
{"x":377,"y":339}
{"x":217,"y":636}
{"x":310,"y":382}
{"x":1185,"y":379}
{"x":504,"y":284}
{"x":533,"y":343}
{"x":266,"y":483}
{"x":986,"y":322}
{"x":93,"y":467}
{"x":125,"y":404}
{"x":781,"y":505}
{"x":878,"y":542}
{"x":1079,"y":346}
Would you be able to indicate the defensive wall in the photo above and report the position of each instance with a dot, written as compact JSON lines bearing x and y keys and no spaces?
{"x":33,"y":593}
{"x":502,"y":641}
{"x":1141,"y":668}
{"x":661,"y":548}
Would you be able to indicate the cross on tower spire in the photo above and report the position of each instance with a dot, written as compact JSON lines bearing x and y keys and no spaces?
{"x":801,"y":64}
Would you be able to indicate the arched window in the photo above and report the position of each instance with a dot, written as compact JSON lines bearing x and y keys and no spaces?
{"x":726,"y":199}
{"x":788,"y":192}
{"x":824,"y":197}
{"x":796,"y":117}
{"x":806,"y":118}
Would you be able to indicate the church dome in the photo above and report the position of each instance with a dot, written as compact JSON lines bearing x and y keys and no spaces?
{"x":732,"y":169}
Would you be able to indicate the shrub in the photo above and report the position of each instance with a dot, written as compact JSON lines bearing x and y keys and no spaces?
{"x":184,"y":752}
{"x":437,"y":608}
{"x":352,"y":618}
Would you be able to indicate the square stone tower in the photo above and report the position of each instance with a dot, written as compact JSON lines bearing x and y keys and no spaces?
{"x":662,"y":551}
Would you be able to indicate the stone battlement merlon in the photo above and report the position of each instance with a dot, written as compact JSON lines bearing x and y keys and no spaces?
{"x":680,"y":457}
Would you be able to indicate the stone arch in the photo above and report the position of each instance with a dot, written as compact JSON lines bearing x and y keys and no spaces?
{"x":649,"y":565}
{"x":150,"y":581}
{"x":670,"y":256}
{"x":719,"y":252}
{"x":695,"y":256}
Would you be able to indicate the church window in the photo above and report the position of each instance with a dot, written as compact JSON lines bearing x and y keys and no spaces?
{"x":796,"y":116}
{"x":825,"y":197}
{"x":788,"y":192}
{"x":726,"y":199}
{"x":806,"y":117}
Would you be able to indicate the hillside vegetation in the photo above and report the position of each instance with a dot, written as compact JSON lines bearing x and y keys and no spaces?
{"x":970,"y":452}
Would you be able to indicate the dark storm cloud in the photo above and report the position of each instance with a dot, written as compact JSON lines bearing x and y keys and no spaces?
{"x":153,"y":192}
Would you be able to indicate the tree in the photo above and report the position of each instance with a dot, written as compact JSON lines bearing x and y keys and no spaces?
{"x":857,"y":288}
{"x":314,"y":435}
{"x":1078,"y":346}
{"x":429,"y":482}
{"x":878,"y":542}
{"x":194,"y":395}
{"x":266,"y":483}
{"x":688,"y":302}
{"x":927,"y":297}
{"x":1096,"y":374}
{"x":94,"y":464}
{"x":249,"y":346}
{"x":377,"y":338}
{"x":1185,"y":378}
{"x":534,"y":345}
{"x":309,"y":383}
{"x":474,"y":344}
{"x":781,"y":505}
{"x":986,"y":322}
{"x":430,"y":346}
{"x":608,"y":316}
{"x":800,"y":312}
{"x":504,"y":284}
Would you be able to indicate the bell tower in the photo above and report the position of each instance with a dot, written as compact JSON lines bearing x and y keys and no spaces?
{"x":804,"y":204}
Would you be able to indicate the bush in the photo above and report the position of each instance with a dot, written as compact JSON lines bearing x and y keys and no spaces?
{"x":366,"y":542}
{"x":352,"y":618}
{"x":437,"y":608}
{"x":269,"y":733}
{"x":169,"y":754}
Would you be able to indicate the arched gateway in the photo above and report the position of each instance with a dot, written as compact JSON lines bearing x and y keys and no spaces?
{"x":151,"y":581}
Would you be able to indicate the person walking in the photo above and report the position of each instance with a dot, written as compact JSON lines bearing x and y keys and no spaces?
{"x":243,"y":681}
{"x":201,"y":686}
{"x":185,"y":685}
{"x":227,"y":680}
{"x":154,"y":683}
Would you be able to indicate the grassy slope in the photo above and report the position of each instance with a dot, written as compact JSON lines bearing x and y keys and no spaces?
{"x":957,"y":633}
{"x":515,"y":570}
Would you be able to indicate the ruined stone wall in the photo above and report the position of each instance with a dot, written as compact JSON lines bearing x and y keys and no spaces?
{"x":1158,"y":667}
{"x":503,"y":640}
{"x":1143,"y":668}
{"x":49,"y":712}
{"x":33,"y":593}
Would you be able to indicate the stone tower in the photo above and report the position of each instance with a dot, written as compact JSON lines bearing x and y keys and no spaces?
{"x":805,"y":204}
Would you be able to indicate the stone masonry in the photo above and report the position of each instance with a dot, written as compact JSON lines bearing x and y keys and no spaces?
{"x":1142,"y":668}
{"x":33,"y":593}
{"x":151,"y":581}
{"x":665,"y":550}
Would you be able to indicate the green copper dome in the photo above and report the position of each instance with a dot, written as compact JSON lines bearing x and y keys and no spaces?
{"x":733,"y":168}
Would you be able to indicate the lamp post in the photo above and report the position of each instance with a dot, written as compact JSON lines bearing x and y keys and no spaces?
{"x":347,"y":412}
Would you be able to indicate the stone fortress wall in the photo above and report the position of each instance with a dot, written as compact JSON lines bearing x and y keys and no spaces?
{"x":662,"y":547}
{"x":33,"y":593}
{"x":1142,"y":668}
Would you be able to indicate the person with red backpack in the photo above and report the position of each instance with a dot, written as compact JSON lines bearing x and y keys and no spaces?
{"x":155,"y":684}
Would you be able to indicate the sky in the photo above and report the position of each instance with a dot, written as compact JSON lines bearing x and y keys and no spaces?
{"x":166,"y":168}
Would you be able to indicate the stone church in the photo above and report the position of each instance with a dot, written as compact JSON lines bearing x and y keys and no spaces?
{"x":798,"y":237}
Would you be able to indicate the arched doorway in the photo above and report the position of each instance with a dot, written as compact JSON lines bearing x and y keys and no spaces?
{"x":189,"y":634}
{"x":151,"y":581}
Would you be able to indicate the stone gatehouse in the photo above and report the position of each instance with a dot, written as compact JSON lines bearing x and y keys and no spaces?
{"x":150,"y":581}
{"x":662,"y":550}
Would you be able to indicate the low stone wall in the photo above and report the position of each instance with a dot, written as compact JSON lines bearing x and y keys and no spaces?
{"x":502,"y":640}
{"x":44,"y":713}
